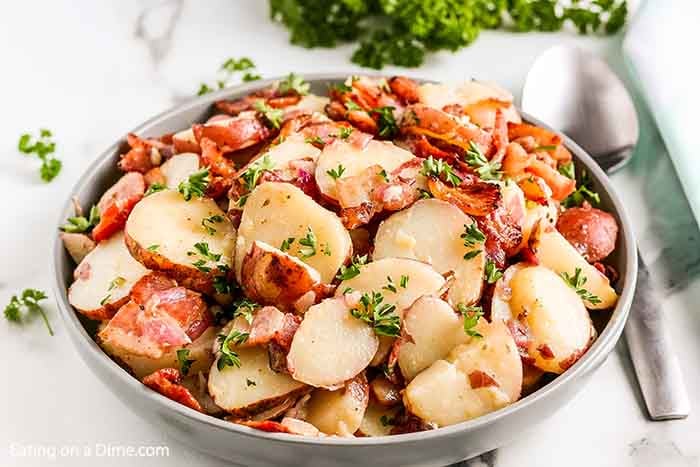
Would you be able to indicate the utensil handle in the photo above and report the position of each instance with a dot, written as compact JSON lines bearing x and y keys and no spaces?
{"x":655,"y":362}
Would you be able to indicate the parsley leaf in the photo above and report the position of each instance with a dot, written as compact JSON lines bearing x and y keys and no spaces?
{"x":293,"y":84}
{"x":29,"y":302}
{"x":154,"y":188}
{"x":404,"y":282}
{"x":287,"y":243}
{"x":273,"y":117}
{"x":390,"y":286}
{"x":252,"y":174}
{"x":472,"y":236}
{"x":195,"y":185}
{"x":309,"y":243}
{"x":386,"y":122}
{"x":437,"y":168}
{"x":471,"y":315}
{"x":80,"y":224}
{"x":208,"y":223}
{"x":336,"y":173}
{"x":246,"y":309}
{"x":491,"y":272}
{"x":344,"y":132}
{"x":381,"y":316}
{"x":184,"y":362}
{"x":348,"y":272}
{"x":229,"y":357}
{"x":42,"y":146}
{"x":486,"y":169}
{"x":232,"y":65}
{"x":584,"y":192}
{"x":568,"y":170}
{"x":576,"y":282}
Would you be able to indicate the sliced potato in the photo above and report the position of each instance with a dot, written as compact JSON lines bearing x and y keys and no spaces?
{"x":275,"y":212}
{"x":494,"y":354}
{"x":339,"y":412}
{"x":355,"y":160}
{"x":294,"y":147}
{"x":330,"y":346}
{"x":434,"y":329}
{"x":178,"y":168}
{"x":457,"y":401}
{"x":558,"y":322}
{"x":104,"y":278}
{"x":162,"y":231}
{"x":78,"y":245}
{"x":253,"y":387}
{"x":413,"y":233}
{"x":557,"y":254}
{"x":422,"y":279}
{"x":140,"y":366}
{"x":464,"y":93}
{"x":377,"y":420}
{"x":309,"y":103}
{"x":272,"y":277}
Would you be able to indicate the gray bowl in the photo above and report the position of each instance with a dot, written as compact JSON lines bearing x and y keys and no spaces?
{"x":246,"y":446}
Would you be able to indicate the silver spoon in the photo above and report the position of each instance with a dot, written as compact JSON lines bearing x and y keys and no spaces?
{"x":578,"y":93}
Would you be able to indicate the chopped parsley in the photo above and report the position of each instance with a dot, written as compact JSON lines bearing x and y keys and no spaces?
{"x":309,"y":244}
{"x":404,"y":282}
{"x":386,"y":122}
{"x":230,"y":68}
{"x":491,"y":272}
{"x":344,"y":132}
{"x":348,"y":272}
{"x":29,"y":302}
{"x":221,"y":284}
{"x":293,"y":84}
{"x":584,"y":192}
{"x":287,"y":243}
{"x":336,"y":173}
{"x":248,"y":76}
{"x":229,"y":357}
{"x":424,"y":194}
{"x":208,"y":223}
{"x":202,"y":249}
{"x":195,"y":185}
{"x":249,"y":382}
{"x":116,"y":282}
{"x":315,"y":140}
{"x":390,"y":286}
{"x":245,"y":308}
{"x":154,"y":188}
{"x":471,"y":315}
{"x":437,"y":168}
{"x":381,"y":316}
{"x":386,"y":421}
{"x":273,"y":117}
{"x":232,"y":65}
{"x":472,"y":236}
{"x":486,"y":169}
{"x":153,"y":247}
{"x":80,"y":224}
{"x":252,"y":174}
{"x":184,"y":362}
{"x":568,"y":170}
{"x":43,"y":147}
{"x":576,"y":282}
{"x":352,"y":106}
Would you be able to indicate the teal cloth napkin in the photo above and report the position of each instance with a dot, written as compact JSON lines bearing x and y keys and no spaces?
{"x":662,"y":50}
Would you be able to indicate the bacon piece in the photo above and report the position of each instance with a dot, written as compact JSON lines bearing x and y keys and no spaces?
{"x":405,"y":89}
{"x":143,"y":155}
{"x":185,"y":306}
{"x":545,"y":351}
{"x":149,"y":284}
{"x":167,"y":382}
{"x":543,"y":137}
{"x":287,"y":425}
{"x":500,"y":136}
{"x":213,"y":158}
{"x":241,"y":132}
{"x":561,"y":185}
{"x":154,"y":176}
{"x":116,"y":204}
{"x":385,"y":392}
{"x":473,"y":197}
{"x":479,"y":379}
{"x":420,"y":119}
{"x":409,"y":423}
{"x":503,"y":235}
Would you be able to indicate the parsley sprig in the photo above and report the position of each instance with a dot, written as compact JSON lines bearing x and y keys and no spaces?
{"x":252,"y":174}
{"x":229,"y":69}
{"x":80,"y":224}
{"x":487,"y":170}
{"x":491,"y":272}
{"x":245,"y":308}
{"x":293,"y":84}
{"x":437,"y":168}
{"x":386,"y":122}
{"x":184,"y":362}
{"x":584,"y":192}
{"x":576,"y":282}
{"x":273,"y":117}
{"x":348,"y":272}
{"x":29,"y":302}
{"x":336,"y":173}
{"x":154,"y":188}
{"x":471,"y":316}
{"x":381,"y":316}
{"x":472,"y":236}
{"x":207,"y":256}
{"x":208,"y":223}
{"x":229,"y":357}
{"x":195,"y":185}
{"x":43,"y":146}
{"x":309,"y":244}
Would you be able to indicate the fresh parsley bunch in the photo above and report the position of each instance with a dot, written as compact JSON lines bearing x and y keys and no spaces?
{"x":401,"y":32}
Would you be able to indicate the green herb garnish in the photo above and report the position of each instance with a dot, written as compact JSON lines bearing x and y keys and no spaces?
{"x":437,"y":168}
{"x":29,"y":302}
{"x":229,"y":357}
{"x":43,"y":146}
{"x":195,"y":185}
{"x":184,"y":362}
{"x":576,"y":282}
{"x":491,"y":272}
{"x":471,"y":315}
{"x":348,"y":272}
{"x":208,"y":223}
{"x":309,"y":243}
{"x":381,"y":316}
{"x":293,"y":84}
{"x":80,"y":224}
{"x":336,"y":173}
{"x":486,"y":169}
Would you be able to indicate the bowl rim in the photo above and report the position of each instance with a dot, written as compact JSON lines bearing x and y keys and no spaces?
{"x":593,"y":357}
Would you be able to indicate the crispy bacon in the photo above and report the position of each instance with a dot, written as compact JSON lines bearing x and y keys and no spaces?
{"x":241,"y":132}
{"x":543,"y":138}
{"x":149,"y":284}
{"x":214,"y":158}
{"x":287,"y":425}
{"x":167,"y":382}
{"x":473,"y":197}
{"x":116,"y":204}
{"x":405,"y":89}
{"x":479,"y":379}
{"x":145,"y":153}
{"x":503,"y":235}
{"x":500,"y":136}
{"x":545,"y":351}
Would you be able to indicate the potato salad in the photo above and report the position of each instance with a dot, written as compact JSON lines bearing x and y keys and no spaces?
{"x":388,"y":258}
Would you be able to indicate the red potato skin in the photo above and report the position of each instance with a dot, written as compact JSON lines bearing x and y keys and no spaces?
{"x":167,"y":382}
{"x":591,"y":231}
{"x":187,"y":276}
{"x":116,"y":205}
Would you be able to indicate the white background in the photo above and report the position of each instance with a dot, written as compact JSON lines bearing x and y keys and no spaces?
{"x":90,"y":71}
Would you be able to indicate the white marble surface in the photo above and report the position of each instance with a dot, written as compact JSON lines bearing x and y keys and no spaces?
{"x":90,"y":71}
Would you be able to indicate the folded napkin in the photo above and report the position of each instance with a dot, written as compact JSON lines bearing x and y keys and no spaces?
{"x":662,"y":49}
